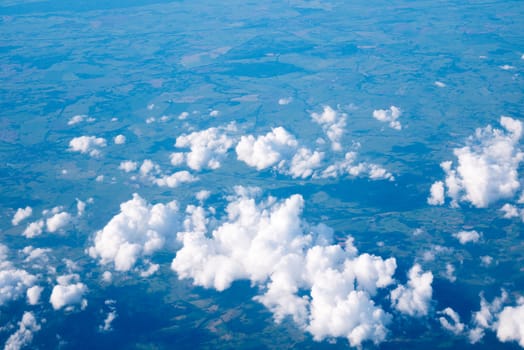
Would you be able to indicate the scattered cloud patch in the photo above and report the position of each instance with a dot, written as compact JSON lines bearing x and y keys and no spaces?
{"x":58,"y":221}
{"x":440,"y":84}
{"x":450,"y":320}
{"x":33,"y":294}
{"x":510,"y":325}
{"x":68,"y":292}
{"x":128,"y":166}
{"x":24,"y":335}
{"x":14,"y":282}
{"x":333,"y":124}
{"x":389,"y":116}
{"x":285,"y":101}
{"x":119,"y":139}
{"x":79,"y":119}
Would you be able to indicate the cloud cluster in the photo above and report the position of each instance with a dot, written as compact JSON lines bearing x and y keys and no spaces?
{"x":151,"y":172}
{"x":53,"y":220}
{"x":87,"y":144}
{"x":389,"y":116}
{"x":414,"y":298}
{"x":14,"y":282}
{"x":486,"y":169}
{"x":139,"y":230}
{"x":24,"y":335}
{"x":207,"y":147}
{"x":68,"y":292}
{"x":455,"y":326}
{"x":510,"y":326}
{"x":333,"y":124}
{"x":325,"y":288}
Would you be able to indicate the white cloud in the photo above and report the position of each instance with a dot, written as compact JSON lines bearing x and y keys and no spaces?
{"x":34,"y":229}
{"x":440,"y":84}
{"x":268,"y":150}
{"x":21,"y":214}
{"x":13,"y":282}
{"x":58,"y":221}
{"x":333,"y":124}
{"x":349,"y":166}
{"x":507,"y":67}
{"x":325,"y":288}
{"x":455,"y":326}
{"x":87,"y":144}
{"x":414,"y":298}
{"x":175,"y":179}
{"x":33,"y":294}
{"x":68,"y":291}
{"x":139,"y":230}
{"x":207,"y":147}
{"x":437,"y":195}
{"x":120,"y":139}
{"x":304,"y":163}
{"x":450,"y":273}
{"x":285,"y":100}
{"x":467,"y":236}
{"x":24,"y":335}
{"x":510,"y":325}
{"x":487,"y":167}
{"x":510,"y":211}
{"x":485,"y":317}
{"x":128,"y":166}
{"x":389,"y":116}
{"x":107,"y":326}
{"x":486,"y":260}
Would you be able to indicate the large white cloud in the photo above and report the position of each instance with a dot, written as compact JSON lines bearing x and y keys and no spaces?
{"x":326,"y":289}
{"x":414,"y":299}
{"x":486,"y":169}
{"x":485,"y":318}
{"x":139,"y":230}
{"x":24,"y":334}
{"x":207,"y":147}
{"x":87,"y":144}
{"x":510,"y":325}
{"x":333,"y":124}
{"x":68,"y":292}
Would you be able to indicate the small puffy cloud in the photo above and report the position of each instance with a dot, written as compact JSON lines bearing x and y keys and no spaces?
{"x":175,"y":179}
{"x":450,"y":273}
{"x":139,"y":230}
{"x":325,"y":288}
{"x":207,"y":147}
{"x":34,"y":229}
{"x":68,"y":291}
{"x":467,"y":236}
{"x":24,"y":335}
{"x":33,"y":294}
{"x":507,"y":67}
{"x":510,"y":211}
{"x":267,"y":150}
{"x":21,"y":214}
{"x":304,"y":163}
{"x":450,"y":321}
{"x":389,"y":116}
{"x":80,"y":118}
{"x":487,"y":167}
{"x":510,"y":325}
{"x":440,"y":84}
{"x":87,"y":144}
{"x":13,"y":282}
{"x":214,"y":113}
{"x":107,"y":326}
{"x":414,"y":298}
{"x":436,"y":196}
{"x":120,"y":139}
{"x":58,"y":221}
{"x":485,"y":318}
{"x":333,"y":124}
{"x":285,"y":100}
{"x":128,"y":166}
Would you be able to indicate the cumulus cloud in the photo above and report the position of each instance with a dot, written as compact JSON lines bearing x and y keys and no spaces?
{"x":350,"y":166}
{"x":107,"y":326}
{"x":80,"y":118}
{"x":58,"y":221}
{"x":34,"y":229}
{"x":487,"y":166}
{"x":128,"y":166}
{"x":207,"y":147}
{"x":120,"y":139}
{"x":87,"y":144}
{"x":175,"y":179}
{"x":267,"y":150}
{"x":414,"y":298}
{"x":333,"y":124}
{"x":485,"y":318}
{"x":68,"y":291}
{"x":14,"y":282}
{"x":24,"y":335}
{"x":389,"y":116}
{"x":437,"y":196}
{"x":33,"y":294}
{"x":510,"y":325}
{"x":139,"y":230}
{"x":450,"y":321}
{"x":325,"y":288}
{"x":21,"y":214}
{"x":467,"y":236}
